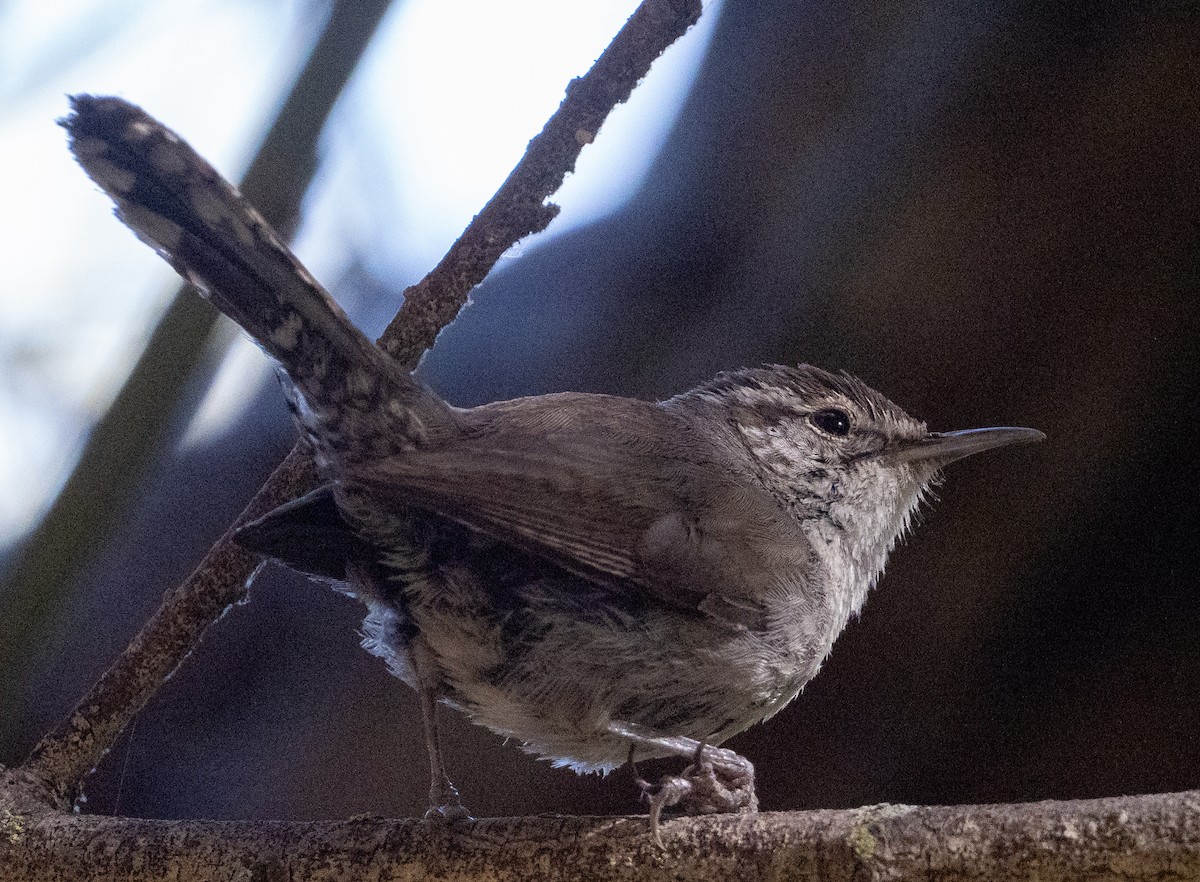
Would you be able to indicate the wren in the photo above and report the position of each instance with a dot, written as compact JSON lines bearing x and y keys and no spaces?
{"x":589,"y":575}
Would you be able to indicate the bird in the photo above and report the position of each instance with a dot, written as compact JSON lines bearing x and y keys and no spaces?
{"x":593,"y":576}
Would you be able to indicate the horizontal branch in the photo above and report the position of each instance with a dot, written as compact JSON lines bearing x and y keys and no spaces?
{"x":1128,"y":838}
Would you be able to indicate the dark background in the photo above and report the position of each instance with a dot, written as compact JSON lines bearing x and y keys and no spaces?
{"x":987,"y":211}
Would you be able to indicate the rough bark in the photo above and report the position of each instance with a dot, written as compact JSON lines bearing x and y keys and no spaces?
{"x":1130,"y":838}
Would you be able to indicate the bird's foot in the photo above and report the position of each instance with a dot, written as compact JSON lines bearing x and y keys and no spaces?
{"x":445,"y":804}
{"x":448,"y":812}
{"x":718,"y":781}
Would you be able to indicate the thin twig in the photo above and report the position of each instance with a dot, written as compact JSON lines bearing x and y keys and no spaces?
{"x":66,"y":754}
{"x":520,"y":203}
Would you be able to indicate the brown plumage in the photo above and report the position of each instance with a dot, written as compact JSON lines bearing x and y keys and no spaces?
{"x":587,"y":574}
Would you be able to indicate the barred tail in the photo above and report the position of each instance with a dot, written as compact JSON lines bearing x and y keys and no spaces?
{"x":201,"y":225}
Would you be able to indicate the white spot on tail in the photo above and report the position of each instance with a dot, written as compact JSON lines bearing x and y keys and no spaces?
{"x":140,"y":129}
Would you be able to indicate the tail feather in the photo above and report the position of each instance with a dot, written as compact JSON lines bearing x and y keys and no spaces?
{"x":200,"y":224}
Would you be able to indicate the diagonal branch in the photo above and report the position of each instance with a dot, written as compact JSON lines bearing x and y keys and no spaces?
{"x":519,"y":208}
{"x":126,"y":437}
{"x":520,"y":203}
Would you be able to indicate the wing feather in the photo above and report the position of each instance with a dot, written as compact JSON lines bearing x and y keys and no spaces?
{"x":581,"y":480}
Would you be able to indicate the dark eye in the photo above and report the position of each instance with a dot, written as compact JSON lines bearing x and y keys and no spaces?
{"x":832,"y":420}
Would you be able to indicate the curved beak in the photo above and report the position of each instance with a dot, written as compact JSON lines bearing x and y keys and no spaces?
{"x":942,"y":448}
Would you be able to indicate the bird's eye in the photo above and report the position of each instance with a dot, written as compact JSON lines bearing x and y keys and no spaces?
{"x":832,"y":420}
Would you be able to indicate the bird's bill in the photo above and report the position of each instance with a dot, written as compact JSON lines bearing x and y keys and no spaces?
{"x":943,"y":448}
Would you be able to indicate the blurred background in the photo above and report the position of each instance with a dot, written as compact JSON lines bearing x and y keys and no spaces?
{"x":988,"y":211}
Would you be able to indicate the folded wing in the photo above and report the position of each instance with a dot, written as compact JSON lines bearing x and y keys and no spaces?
{"x":581,"y":480}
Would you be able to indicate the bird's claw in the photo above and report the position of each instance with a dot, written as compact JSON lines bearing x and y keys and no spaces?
{"x":448,"y":813}
{"x":445,"y":803}
{"x":718,"y":781}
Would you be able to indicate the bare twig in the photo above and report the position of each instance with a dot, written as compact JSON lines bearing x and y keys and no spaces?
{"x":520,"y":203}
{"x":1131,"y":838}
{"x":519,"y":208}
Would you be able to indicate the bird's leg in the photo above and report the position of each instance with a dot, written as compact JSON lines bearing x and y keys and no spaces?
{"x":444,"y":801}
{"x":718,"y":780}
